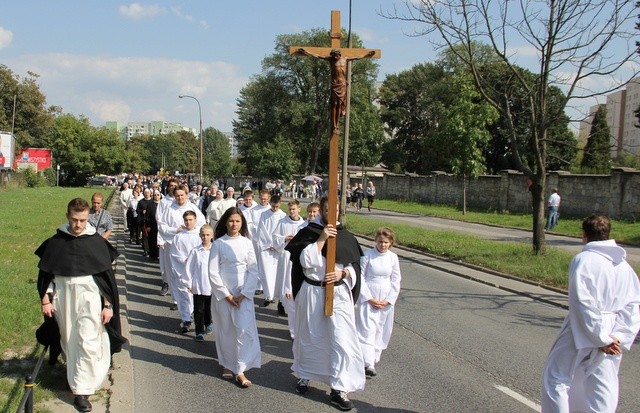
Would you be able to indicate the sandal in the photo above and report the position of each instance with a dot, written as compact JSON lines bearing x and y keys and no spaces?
{"x":243,"y":381}
{"x":227,"y":374}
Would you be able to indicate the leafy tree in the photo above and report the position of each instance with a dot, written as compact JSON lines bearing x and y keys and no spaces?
{"x":275,"y":159}
{"x":436,"y":119}
{"x":32,"y":118}
{"x":82,"y":150}
{"x":586,"y":38}
{"x":290,"y":99}
{"x":217,"y":153}
{"x":597,"y":152}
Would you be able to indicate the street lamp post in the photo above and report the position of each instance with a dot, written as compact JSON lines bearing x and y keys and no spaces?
{"x":201,"y":142}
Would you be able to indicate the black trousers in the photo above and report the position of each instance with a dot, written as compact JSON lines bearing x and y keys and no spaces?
{"x":201,"y":312}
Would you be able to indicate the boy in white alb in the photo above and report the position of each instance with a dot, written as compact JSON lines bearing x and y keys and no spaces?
{"x":184,"y":242}
{"x":267,"y":250}
{"x":284,"y":232}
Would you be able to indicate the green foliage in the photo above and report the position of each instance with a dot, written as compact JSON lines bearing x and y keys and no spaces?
{"x":597,"y":152}
{"x":436,"y":119}
{"x":274,"y":159}
{"x":217,"y":153}
{"x":31,"y":178}
{"x":290,"y":99}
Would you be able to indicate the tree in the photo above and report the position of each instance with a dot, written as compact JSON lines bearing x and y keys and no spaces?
{"x":275,"y":159}
{"x":437,"y":119}
{"x":597,"y":152}
{"x":217,"y":153}
{"x":82,"y":150}
{"x":32,"y":118}
{"x":290,"y":99}
{"x":588,"y":38}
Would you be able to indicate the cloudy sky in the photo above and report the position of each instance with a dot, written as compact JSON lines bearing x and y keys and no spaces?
{"x":124,"y":61}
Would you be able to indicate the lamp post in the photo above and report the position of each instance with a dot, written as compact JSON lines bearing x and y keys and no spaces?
{"x":201,"y":142}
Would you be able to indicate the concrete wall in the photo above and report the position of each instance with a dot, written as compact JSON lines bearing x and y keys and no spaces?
{"x":617,"y":195}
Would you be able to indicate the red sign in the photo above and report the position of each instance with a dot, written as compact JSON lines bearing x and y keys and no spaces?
{"x":39,"y":156}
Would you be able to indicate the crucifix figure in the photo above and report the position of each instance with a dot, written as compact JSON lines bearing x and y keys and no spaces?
{"x":338,"y":97}
{"x":338,"y":58}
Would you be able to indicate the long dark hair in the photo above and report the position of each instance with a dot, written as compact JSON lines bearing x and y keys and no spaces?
{"x":221,"y":226}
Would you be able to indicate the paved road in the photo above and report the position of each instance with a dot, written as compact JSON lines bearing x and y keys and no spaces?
{"x":464,"y":340}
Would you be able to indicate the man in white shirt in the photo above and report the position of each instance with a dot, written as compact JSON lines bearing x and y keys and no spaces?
{"x":552,"y":210}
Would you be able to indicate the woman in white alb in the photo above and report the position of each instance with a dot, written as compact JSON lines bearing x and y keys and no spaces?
{"x":233,"y":273}
{"x":378,"y":295}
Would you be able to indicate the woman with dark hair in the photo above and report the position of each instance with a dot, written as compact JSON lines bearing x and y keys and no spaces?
{"x":233,"y":273}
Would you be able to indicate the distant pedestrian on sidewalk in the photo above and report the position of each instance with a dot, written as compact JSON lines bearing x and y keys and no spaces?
{"x":553,"y":207}
{"x":380,"y":288}
{"x":78,"y":293}
{"x":581,"y":372}
{"x":233,"y":274}
{"x":197,"y":278}
{"x":100,"y":218}
{"x":371,"y":193}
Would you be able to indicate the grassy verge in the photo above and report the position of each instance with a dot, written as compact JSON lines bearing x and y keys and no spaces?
{"x":27,"y":217}
{"x":622,"y":231}
{"x":508,"y":257}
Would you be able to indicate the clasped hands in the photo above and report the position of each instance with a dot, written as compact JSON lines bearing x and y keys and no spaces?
{"x":235,"y":301}
{"x":613,"y":348}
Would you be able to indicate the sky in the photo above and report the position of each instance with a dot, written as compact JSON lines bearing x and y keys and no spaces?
{"x":129,"y":61}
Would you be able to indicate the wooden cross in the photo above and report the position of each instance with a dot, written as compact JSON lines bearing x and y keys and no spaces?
{"x":338,"y":58}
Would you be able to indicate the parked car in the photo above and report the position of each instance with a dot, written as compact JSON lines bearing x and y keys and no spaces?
{"x":102,"y":180}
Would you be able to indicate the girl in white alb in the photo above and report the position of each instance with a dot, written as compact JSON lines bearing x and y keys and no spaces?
{"x":378,"y":295}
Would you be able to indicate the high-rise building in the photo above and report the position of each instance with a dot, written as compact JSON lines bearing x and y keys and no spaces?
{"x":622,"y":121}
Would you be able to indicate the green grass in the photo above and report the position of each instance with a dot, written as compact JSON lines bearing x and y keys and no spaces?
{"x":507,"y":257}
{"x":622,"y":231}
{"x":28,"y":216}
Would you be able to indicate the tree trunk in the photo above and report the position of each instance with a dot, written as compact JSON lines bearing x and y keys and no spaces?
{"x":538,"y":204}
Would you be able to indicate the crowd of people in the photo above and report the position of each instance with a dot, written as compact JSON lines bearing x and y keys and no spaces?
{"x":218,"y":250}
{"x":217,"y":253}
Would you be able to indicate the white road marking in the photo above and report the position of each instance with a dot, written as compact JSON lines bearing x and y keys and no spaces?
{"x":518,"y":397}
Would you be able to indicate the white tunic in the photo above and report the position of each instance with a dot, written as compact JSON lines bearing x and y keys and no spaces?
{"x":326,"y":349}
{"x":285,"y":227}
{"x":183,"y":243}
{"x":380,"y":281}
{"x":266,"y":248}
{"x":233,"y":271}
{"x":197,"y":271}
{"x":604,"y":294}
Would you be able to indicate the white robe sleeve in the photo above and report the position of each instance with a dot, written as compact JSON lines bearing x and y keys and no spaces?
{"x":395,"y":281}
{"x":218,"y":288}
{"x":365,"y":294}
{"x":251,"y":278}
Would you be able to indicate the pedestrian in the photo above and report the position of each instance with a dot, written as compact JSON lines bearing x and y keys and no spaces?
{"x":125,"y":194}
{"x":100,"y":218}
{"x":358,"y":194}
{"x":326,"y":349}
{"x":197,"y":278}
{"x":79,"y":295}
{"x":284,"y":232}
{"x":184,"y":242}
{"x":380,"y":288}
{"x":233,"y":274}
{"x":553,"y":206}
{"x":152,"y":225}
{"x":143,"y":206}
{"x":371,"y":193}
{"x":581,"y":372}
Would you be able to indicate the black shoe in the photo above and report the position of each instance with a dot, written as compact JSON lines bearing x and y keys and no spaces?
{"x":184,"y":327}
{"x":303,"y":386}
{"x":266,"y":303}
{"x":339,"y":398}
{"x":82,"y":403}
{"x":173,"y":307}
{"x":281,"y":310}
{"x":370,"y":372}
{"x":165,"y":289}
{"x":259,"y":292}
